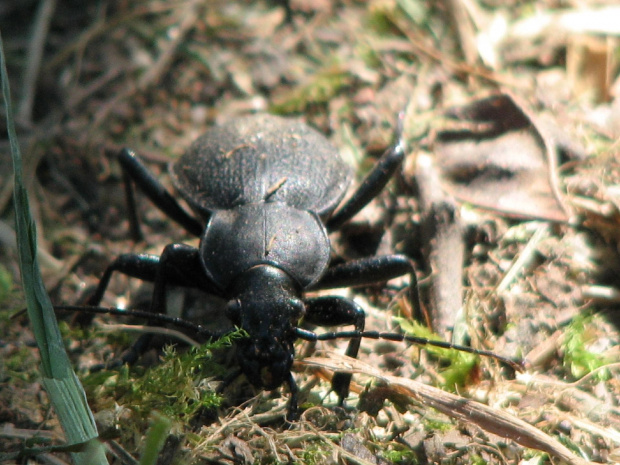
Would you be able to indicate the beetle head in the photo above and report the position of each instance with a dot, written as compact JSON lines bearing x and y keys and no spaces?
{"x":268,"y":308}
{"x":266,"y":364}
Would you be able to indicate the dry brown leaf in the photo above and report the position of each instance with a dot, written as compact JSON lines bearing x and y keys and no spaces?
{"x":500,"y":159}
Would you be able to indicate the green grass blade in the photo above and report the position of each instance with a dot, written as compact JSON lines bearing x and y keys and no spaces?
{"x":155,"y":439}
{"x":61,"y":383}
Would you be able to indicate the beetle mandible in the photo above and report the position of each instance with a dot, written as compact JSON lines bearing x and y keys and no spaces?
{"x":265,"y":192}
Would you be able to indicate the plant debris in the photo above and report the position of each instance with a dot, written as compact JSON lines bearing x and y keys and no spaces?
{"x":513,"y":111}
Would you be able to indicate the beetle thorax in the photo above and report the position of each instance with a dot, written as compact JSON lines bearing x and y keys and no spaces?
{"x":265,"y":234}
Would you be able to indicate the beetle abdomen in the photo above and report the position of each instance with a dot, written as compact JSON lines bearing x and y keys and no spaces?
{"x":262,"y":157}
{"x":266,"y":233}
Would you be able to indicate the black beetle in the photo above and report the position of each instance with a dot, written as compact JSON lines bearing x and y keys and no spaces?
{"x":266,"y":191}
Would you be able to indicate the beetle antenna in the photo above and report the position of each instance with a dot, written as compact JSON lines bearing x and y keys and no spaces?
{"x":517,"y":365}
{"x":159,"y":317}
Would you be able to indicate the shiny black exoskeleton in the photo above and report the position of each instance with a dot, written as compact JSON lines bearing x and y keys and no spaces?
{"x":265,"y":191}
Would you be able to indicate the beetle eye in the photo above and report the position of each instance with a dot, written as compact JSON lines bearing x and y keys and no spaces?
{"x":233,"y":310}
{"x":299,"y":309}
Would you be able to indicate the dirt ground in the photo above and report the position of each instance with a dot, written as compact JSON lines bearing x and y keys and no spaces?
{"x":507,"y":203}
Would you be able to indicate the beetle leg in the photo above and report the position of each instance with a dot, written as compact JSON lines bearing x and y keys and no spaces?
{"x":373,"y":183}
{"x":372,"y":270}
{"x":293,"y":403}
{"x":179,"y":265}
{"x":134,"y":169}
{"x":337,"y":311}
{"x":141,"y":266}
{"x":129,"y":357}
{"x":187,"y":272}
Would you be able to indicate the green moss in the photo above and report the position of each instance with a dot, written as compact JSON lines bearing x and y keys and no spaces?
{"x":176,"y":387}
{"x":477,"y":460}
{"x":319,"y":89}
{"x":400,"y":454}
{"x":20,"y":365}
{"x":315,"y":453}
{"x":437,"y":425}
{"x":6,"y":284}
{"x":456,"y":366}
{"x":379,"y":18}
{"x":579,"y":358}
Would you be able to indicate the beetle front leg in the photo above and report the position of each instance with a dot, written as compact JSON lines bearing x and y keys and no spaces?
{"x":186,"y":272}
{"x":141,"y":266}
{"x":337,"y":311}
{"x":370,"y":271}
{"x":293,"y":403}
{"x":179,"y":265}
